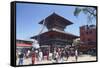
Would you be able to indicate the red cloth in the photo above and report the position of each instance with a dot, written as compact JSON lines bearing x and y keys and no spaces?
{"x":33,"y":58}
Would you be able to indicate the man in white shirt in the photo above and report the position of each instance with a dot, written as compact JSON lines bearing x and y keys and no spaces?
{"x":76,"y":54}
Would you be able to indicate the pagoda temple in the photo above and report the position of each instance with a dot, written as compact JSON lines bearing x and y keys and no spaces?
{"x":56,"y":35}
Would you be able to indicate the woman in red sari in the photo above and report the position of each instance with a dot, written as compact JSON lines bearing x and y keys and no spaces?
{"x":33,"y":57}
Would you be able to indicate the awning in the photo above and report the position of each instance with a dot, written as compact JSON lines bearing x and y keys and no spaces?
{"x":23,"y":45}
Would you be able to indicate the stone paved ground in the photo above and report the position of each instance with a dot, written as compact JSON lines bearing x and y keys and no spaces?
{"x":70,"y":59}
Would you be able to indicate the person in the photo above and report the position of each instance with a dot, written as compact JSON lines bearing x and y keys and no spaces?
{"x":62,"y":54}
{"x":21,"y":56}
{"x":59,"y":54}
{"x":54,"y":54}
{"x":28,"y":54}
{"x":50,"y":56}
{"x":76,"y":54}
{"x":40,"y":56}
{"x":67,"y":54}
{"x":33,"y":57}
{"x":16,"y":55}
{"x":36,"y":52}
{"x":47,"y":55}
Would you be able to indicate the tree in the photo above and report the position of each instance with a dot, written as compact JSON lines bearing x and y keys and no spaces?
{"x":90,"y":12}
{"x":76,"y":42}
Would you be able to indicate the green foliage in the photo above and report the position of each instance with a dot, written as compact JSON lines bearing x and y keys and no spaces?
{"x":77,"y":11}
{"x":90,"y":12}
{"x":76,"y":42}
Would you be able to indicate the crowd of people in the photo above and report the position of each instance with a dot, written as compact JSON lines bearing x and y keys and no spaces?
{"x":62,"y":54}
{"x":56,"y":56}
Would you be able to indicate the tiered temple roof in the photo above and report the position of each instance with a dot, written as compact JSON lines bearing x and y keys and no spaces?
{"x":55,"y":25}
{"x":55,"y":21}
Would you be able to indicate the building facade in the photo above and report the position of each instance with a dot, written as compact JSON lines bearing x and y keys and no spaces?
{"x":88,"y":37}
{"x":22,"y":45}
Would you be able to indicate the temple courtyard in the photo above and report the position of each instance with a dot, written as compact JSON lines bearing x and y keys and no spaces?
{"x":70,"y":59}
